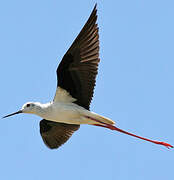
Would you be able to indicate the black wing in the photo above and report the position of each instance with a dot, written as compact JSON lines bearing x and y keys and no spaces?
{"x":55,"y":134}
{"x":78,"y":69}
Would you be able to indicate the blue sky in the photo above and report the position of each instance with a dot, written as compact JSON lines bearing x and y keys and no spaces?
{"x":134,"y":88}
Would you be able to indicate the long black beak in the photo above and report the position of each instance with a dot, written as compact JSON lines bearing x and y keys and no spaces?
{"x":12,"y":114}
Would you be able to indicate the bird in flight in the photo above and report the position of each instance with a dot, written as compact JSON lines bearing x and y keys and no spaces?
{"x":76,"y":76}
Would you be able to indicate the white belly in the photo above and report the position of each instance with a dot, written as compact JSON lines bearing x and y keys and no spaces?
{"x":71,"y":113}
{"x":66,"y":113}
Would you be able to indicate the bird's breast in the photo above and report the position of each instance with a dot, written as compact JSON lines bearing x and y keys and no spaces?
{"x":63,"y":112}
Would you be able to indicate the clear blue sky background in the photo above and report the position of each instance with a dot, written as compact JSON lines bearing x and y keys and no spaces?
{"x":135,"y":87}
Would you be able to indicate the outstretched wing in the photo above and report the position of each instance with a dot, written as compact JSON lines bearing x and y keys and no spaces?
{"x":78,"y":69}
{"x":55,"y":134}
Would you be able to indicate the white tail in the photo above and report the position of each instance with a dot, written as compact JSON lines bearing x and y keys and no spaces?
{"x":98,"y":118}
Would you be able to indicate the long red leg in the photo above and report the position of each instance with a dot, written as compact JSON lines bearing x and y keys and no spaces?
{"x":109,"y":126}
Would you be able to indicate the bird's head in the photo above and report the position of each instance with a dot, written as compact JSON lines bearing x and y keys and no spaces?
{"x":29,"y":107}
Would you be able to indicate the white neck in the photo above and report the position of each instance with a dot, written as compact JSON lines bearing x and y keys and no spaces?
{"x":42,"y":110}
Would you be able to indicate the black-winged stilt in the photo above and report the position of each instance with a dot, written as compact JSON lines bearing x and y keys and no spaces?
{"x":76,"y":75}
